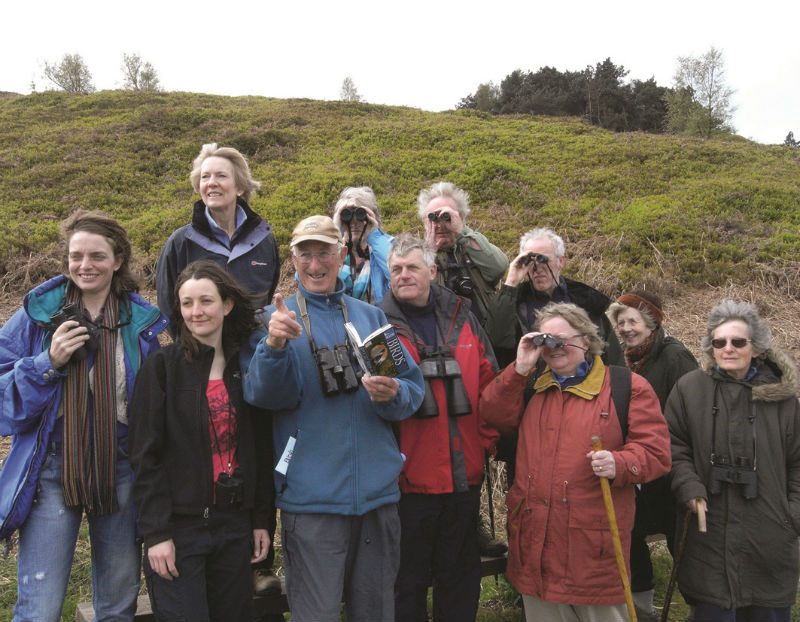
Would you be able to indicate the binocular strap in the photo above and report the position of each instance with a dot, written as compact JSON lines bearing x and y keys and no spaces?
{"x":301,"y":302}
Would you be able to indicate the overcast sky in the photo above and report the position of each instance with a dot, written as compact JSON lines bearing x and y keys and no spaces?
{"x":426,"y":54}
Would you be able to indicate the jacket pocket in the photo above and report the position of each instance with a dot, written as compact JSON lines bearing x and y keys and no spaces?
{"x":590,"y":552}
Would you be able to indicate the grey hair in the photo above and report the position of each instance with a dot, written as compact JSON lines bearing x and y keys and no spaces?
{"x":575,"y":317}
{"x":615,"y":308}
{"x":545,"y":232}
{"x":727,"y":310}
{"x":360,"y":196}
{"x":241,"y":170}
{"x":444,"y":189}
{"x":406,"y":243}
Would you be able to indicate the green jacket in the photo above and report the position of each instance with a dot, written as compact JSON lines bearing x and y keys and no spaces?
{"x":749,"y":555}
{"x":485,"y":266}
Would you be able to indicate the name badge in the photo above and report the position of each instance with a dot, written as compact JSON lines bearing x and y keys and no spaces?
{"x":286,"y":456}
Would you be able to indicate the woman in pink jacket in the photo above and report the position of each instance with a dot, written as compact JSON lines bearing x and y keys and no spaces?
{"x":561,"y":557}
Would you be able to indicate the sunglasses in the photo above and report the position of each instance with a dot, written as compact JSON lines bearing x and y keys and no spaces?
{"x":437,"y":216}
{"x":736,"y":342}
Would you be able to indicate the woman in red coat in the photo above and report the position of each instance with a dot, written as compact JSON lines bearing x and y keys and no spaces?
{"x":561,"y":557}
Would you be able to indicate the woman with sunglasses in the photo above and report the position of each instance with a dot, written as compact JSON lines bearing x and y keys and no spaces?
{"x":365,"y":272}
{"x":661,"y":360}
{"x":68,"y":360}
{"x":201,"y":457}
{"x":735,"y":428}
{"x":560,"y":552}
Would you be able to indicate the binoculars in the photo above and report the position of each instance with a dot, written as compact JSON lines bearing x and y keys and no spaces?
{"x":437,"y":365}
{"x":741,"y":472}
{"x":336,"y":372}
{"x":548,"y":341}
{"x":437,"y":216}
{"x":348,"y":213}
{"x":71,"y":312}
{"x":537,"y":257}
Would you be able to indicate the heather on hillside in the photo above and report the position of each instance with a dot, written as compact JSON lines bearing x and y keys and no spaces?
{"x":639,"y":207}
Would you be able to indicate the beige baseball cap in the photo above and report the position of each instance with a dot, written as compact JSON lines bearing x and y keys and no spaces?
{"x":319,"y":228}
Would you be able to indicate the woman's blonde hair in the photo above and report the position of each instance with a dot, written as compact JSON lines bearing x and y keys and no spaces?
{"x":241,"y":170}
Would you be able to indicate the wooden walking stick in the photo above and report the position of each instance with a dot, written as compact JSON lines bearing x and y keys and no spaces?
{"x":676,"y":562}
{"x":612,"y":522}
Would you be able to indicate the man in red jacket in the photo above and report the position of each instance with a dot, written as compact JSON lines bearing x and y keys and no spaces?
{"x":443,"y":443}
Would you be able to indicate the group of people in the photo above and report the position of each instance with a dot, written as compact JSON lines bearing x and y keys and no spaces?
{"x":180,"y":455}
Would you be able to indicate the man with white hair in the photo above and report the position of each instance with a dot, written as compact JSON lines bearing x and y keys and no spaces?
{"x":534,"y":280}
{"x":467,"y":262}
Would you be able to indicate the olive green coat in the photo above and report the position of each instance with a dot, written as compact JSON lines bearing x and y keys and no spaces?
{"x":749,"y":556}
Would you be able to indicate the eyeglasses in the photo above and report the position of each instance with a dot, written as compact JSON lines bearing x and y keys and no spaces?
{"x":437,"y":216}
{"x":306,"y":257}
{"x":736,"y":342}
{"x":347,"y":214}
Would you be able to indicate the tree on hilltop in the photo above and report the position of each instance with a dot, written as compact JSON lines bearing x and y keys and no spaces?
{"x":789,"y":141}
{"x":139,"y":75}
{"x":349,"y":92}
{"x":701,"y":103}
{"x":71,"y":74}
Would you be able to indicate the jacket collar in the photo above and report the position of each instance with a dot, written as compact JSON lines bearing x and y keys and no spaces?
{"x":200,"y":222}
{"x":776,"y":380}
{"x":588,"y":389}
{"x":336,"y":297}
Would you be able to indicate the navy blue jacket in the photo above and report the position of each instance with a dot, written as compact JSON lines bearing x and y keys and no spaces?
{"x":252,"y":259}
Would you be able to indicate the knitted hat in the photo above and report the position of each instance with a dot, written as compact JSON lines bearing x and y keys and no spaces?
{"x":640,"y":299}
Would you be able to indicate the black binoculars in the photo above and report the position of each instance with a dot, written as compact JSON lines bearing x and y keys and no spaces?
{"x":348,"y":213}
{"x":71,"y":312}
{"x":229,"y":489}
{"x":437,"y":365}
{"x":537,"y":257}
{"x":548,"y":341}
{"x":336,"y":372}
{"x":437,"y":216}
{"x":741,"y":472}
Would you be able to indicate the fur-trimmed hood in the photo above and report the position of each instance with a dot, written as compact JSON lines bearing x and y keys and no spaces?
{"x":781,"y":381}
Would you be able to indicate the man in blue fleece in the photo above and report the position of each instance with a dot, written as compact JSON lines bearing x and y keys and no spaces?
{"x":338,"y":464}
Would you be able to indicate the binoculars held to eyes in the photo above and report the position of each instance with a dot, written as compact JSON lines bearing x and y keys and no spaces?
{"x":530,"y":257}
{"x":348,"y":213}
{"x":437,"y":365}
{"x":437,"y":216}
{"x":336,"y":372}
{"x":741,"y":472}
{"x":71,"y":312}
{"x":548,"y":341}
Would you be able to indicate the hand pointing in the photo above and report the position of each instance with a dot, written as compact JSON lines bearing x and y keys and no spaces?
{"x":283,"y":325}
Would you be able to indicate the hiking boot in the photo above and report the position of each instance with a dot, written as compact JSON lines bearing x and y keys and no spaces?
{"x":643,"y":604}
{"x":266,"y":583}
{"x":488,"y":546}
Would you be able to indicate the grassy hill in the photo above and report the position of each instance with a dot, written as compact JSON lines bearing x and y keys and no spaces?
{"x":636,"y":208}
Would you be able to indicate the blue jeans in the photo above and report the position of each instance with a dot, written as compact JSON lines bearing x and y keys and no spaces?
{"x":47,"y":545}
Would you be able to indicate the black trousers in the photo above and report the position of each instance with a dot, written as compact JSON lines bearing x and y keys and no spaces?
{"x":212,"y":556}
{"x":439,"y":546}
{"x":655,"y":514}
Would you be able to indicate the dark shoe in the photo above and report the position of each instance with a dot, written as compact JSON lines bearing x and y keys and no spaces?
{"x":266,"y":583}
{"x":489,"y":547}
